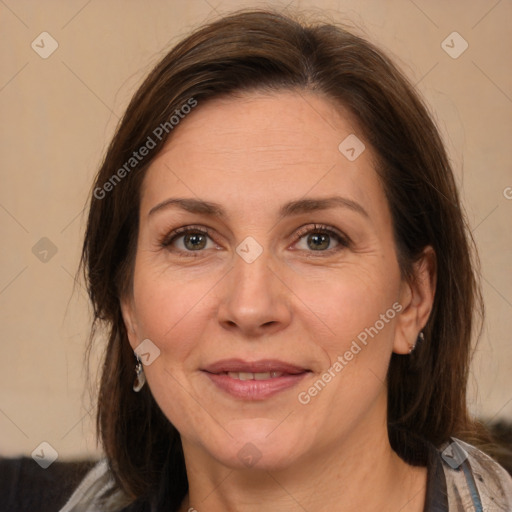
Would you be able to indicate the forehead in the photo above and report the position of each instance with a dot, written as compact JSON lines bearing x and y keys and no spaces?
{"x":267,"y":146}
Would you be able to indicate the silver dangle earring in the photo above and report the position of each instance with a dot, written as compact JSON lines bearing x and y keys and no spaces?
{"x":421,"y":337}
{"x":140,"y":378}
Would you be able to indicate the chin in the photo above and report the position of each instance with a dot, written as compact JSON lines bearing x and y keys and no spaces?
{"x":258,"y":444}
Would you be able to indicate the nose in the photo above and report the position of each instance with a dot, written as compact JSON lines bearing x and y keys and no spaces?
{"x":254,"y":299}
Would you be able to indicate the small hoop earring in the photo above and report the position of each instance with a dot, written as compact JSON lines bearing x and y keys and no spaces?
{"x":140,"y":377}
{"x":419,"y":339}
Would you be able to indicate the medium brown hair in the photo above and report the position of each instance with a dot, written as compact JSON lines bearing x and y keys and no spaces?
{"x":264,"y":50}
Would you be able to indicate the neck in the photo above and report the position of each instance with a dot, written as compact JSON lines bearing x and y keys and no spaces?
{"x":360,"y":473}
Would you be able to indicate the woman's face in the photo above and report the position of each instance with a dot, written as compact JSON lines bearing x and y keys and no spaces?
{"x":274,"y":328}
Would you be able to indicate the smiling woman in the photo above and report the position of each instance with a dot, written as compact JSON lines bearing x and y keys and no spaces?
{"x":299,"y":234}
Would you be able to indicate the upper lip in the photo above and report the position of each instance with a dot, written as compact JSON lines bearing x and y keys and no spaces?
{"x":261,"y":366}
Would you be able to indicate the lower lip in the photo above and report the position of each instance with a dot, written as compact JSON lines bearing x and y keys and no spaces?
{"x":255,"y":389}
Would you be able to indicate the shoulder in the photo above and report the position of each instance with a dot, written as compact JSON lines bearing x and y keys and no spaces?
{"x":97,"y":491}
{"x":474,"y":479}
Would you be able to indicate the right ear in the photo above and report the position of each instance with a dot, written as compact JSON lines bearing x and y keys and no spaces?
{"x":130,"y":322}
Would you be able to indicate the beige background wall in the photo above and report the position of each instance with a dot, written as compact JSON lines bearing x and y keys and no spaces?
{"x":57,"y":117}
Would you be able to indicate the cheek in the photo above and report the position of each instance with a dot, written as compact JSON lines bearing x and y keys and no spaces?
{"x":172,"y":308}
{"x":350,"y":301}
{"x":358,"y":314}
{"x":167,"y":307}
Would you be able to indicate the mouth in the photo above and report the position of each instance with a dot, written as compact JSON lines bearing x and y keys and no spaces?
{"x":254,"y":375}
{"x":256,"y":380}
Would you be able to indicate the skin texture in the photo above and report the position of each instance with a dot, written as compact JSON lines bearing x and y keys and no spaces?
{"x":252,"y":154}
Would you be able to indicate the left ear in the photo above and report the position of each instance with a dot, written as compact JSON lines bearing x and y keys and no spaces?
{"x":416,"y":299}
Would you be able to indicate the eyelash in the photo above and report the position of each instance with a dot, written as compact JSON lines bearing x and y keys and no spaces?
{"x":342,"y":240}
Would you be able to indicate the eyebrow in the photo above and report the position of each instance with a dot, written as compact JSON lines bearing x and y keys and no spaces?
{"x":287,"y":210}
